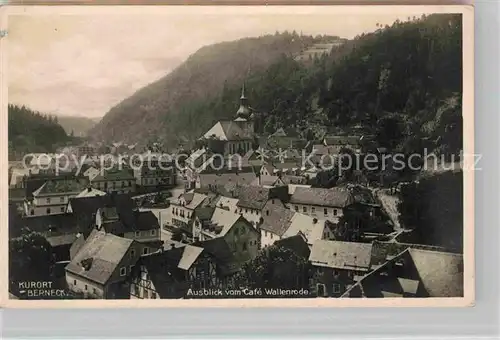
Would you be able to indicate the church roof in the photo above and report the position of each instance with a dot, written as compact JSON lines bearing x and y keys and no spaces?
{"x":227,"y":130}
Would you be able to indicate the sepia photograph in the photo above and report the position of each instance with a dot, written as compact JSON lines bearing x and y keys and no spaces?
{"x":239,"y":153}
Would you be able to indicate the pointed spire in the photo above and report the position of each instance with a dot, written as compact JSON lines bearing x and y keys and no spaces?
{"x":243,"y":97}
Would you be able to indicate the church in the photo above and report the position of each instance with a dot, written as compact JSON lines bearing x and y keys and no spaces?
{"x":234,"y":136}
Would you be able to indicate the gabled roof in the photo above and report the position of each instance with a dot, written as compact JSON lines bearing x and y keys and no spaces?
{"x":59,"y":187}
{"x":253,"y":197}
{"x":441,"y":274}
{"x":90,"y":205}
{"x":224,"y":257}
{"x":341,"y":255}
{"x":99,"y":256}
{"x":297,"y":244}
{"x":278,"y":221}
{"x":90,"y":192}
{"x":322,"y":197}
{"x":227,"y":130}
{"x":193,"y":199}
{"x":413,"y":273}
{"x":311,"y":227}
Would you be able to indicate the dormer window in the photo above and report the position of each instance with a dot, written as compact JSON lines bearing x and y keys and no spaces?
{"x":123,"y":271}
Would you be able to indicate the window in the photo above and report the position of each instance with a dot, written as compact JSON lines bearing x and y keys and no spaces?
{"x":145,"y":250}
{"x":265,"y":233}
{"x":32,"y":212}
{"x":313,"y":209}
{"x":129,"y":183}
{"x":86,"y":287}
{"x":272,"y":201}
{"x":132,"y":253}
{"x":62,"y":199}
{"x":48,"y":210}
{"x":267,"y":212}
{"x":74,"y":282}
{"x":296,"y":208}
{"x":130,"y":268}
{"x":336,"y":288}
{"x":62,"y":209}
{"x":245,"y":246}
{"x":304,"y":209}
{"x":334,"y":212}
{"x":154,"y":295}
{"x":325,"y":211}
{"x":123,"y":184}
{"x":123,"y":271}
{"x":153,"y":232}
{"x":137,"y":233}
{"x":48,"y":200}
{"x":94,"y":290}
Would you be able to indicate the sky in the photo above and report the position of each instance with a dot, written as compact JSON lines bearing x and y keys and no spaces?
{"x":83,"y":61}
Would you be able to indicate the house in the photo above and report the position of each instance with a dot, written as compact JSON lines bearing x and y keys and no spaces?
{"x":282,"y":223}
{"x":119,"y":181}
{"x":52,"y":197}
{"x":84,"y":209}
{"x":337,"y":266}
{"x":182,"y":209}
{"x":322,"y":203}
{"x":239,"y":234}
{"x":297,"y":244}
{"x":155,"y":173}
{"x":59,"y":230}
{"x":254,"y":202}
{"x":413,"y":273}
{"x":233,"y":136}
{"x":210,"y":177}
{"x":100,"y":267}
{"x":172,"y":272}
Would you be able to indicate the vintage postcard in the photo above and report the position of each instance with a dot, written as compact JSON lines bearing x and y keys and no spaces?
{"x":238,"y":156}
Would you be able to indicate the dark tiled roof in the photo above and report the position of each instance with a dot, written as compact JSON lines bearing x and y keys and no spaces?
{"x":322,"y":197}
{"x":252,"y":197}
{"x":219,"y":249}
{"x":115,"y":175}
{"x":278,"y":221}
{"x":62,"y":240}
{"x":341,"y":255}
{"x":100,"y":254}
{"x":289,"y":179}
{"x":59,"y":187}
{"x":89,"y":205}
{"x":47,"y":225}
{"x":297,"y":244}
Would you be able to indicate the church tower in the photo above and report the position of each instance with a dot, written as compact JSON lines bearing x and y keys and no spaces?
{"x":244,"y":117}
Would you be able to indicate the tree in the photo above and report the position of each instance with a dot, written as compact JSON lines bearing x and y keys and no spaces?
{"x":276,"y":267}
{"x":30,"y":259}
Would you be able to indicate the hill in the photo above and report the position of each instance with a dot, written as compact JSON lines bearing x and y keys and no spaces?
{"x":78,"y":126}
{"x":159,"y":109}
{"x":31,"y":131}
{"x":402,"y":82}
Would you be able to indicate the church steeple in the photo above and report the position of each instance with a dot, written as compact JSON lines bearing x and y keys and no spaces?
{"x":244,"y":111}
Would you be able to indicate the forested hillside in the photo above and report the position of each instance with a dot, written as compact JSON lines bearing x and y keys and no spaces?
{"x":403,"y":82}
{"x":31,"y":131}
{"x":181,"y":104}
{"x":77,"y":126}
